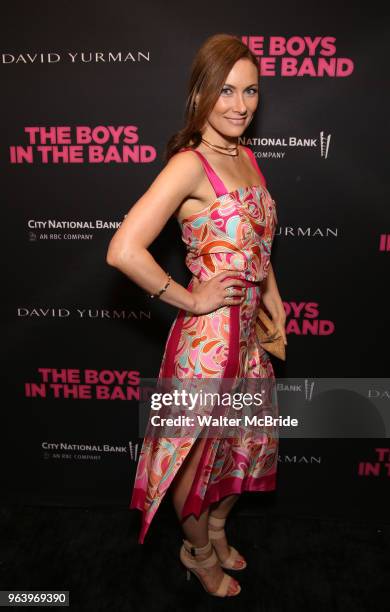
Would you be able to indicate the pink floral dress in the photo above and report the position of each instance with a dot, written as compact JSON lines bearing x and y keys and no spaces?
{"x":235,"y":233}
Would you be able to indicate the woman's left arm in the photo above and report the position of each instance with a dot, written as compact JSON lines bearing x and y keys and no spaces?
{"x":273,"y":302}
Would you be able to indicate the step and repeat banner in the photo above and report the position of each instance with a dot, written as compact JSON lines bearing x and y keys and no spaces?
{"x":90,"y":95}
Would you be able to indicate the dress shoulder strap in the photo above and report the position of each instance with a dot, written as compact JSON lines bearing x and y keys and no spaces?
{"x":254,"y":162}
{"x":214,"y":179}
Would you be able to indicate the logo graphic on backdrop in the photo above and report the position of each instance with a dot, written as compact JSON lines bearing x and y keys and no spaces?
{"x":384,"y":242}
{"x":325,"y":141}
{"x":85,"y":451}
{"x":34,"y":237}
{"x":309,"y":231}
{"x":79,"y":384}
{"x":59,"y":229}
{"x":82,"y":144}
{"x":303,"y":319}
{"x":99,"y":314}
{"x":309,"y":387}
{"x":300,"y":459}
{"x":306,"y":388}
{"x":379,"y":466}
{"x":276,"y":147}
{"x":77,"y":57}
{"x":133,"y":450}
{"x":299,"y":56}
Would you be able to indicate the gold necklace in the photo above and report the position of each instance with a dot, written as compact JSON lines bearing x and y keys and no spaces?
{"x":233,"y":150}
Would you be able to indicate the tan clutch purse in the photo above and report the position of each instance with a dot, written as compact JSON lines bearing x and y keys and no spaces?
{"x":268,"y":335}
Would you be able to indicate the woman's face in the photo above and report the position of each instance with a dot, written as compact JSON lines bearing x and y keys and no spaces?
{"x":237,"y":102}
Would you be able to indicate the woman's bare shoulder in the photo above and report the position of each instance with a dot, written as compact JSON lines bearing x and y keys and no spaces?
{"x":185,"y":158}
{"x":185,"y":168}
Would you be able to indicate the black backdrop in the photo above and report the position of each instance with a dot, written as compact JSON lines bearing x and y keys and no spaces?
{"x":320,"y":141}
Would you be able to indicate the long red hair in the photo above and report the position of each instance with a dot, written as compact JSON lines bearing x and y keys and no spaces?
{"x":210,"y":67}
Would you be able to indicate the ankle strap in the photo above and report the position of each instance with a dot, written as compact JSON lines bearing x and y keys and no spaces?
{"x":216,"y":522}
{"x":196,"y":551}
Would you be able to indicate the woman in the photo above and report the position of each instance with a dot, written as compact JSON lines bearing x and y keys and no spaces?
{"x":227,"y":217}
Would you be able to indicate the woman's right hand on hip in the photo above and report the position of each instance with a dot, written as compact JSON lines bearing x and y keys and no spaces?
{"x":224,"y":289}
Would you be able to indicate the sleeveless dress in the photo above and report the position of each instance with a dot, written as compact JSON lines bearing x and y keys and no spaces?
{"x":235,"y":233}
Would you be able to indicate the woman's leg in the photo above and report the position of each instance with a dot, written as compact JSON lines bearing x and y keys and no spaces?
{"x":221,"y":510}
{"x":196,"y":530}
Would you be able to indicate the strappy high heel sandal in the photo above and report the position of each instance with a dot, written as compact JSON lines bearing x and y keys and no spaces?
{"x":217,"y":532}
{"x":188,"y":554}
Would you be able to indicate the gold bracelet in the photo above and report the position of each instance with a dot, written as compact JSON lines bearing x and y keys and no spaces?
{"x":153,"y":295}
